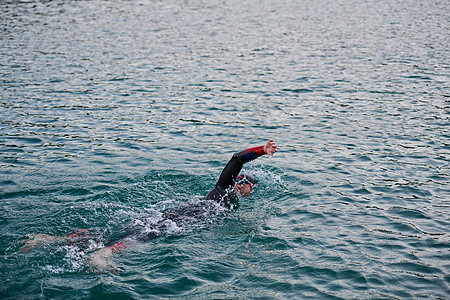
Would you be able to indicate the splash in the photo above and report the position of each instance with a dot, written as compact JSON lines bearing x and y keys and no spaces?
{"x":146,"y":221}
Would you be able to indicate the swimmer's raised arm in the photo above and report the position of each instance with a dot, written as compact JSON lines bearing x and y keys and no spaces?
{"x":227,"y":178}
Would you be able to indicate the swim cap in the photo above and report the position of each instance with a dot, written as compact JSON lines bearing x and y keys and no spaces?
{"x":246,"y":179}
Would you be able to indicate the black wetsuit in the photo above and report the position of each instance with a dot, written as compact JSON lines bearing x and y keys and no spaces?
{"x":222,"y":193}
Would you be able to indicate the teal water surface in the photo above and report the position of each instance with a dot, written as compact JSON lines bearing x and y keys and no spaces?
{"x":113,"y":111}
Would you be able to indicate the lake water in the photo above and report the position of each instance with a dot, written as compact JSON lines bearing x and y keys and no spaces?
{"x":111,"y":111}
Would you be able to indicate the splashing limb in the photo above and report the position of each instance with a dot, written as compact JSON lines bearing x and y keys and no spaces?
{"x":39,"y":240}
{"x":100,"y":261}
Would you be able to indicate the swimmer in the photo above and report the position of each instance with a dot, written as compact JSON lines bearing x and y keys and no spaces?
{"x":231,"y":183}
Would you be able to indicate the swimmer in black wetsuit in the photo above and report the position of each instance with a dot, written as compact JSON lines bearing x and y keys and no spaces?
{"x":230,"y":184}
{"x":230,"y":181}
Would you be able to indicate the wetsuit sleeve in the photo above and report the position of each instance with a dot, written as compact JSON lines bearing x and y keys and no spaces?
{"x":233,"y":168}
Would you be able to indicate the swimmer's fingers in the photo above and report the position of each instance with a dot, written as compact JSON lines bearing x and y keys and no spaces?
{"x":270,"y":148}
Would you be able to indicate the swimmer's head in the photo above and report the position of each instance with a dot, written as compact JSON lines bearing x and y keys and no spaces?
{"x":245,"y":184}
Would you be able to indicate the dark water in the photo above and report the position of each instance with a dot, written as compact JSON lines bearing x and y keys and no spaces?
{"x":115,"y":110}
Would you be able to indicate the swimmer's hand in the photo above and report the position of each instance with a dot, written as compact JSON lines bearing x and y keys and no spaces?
{"x":270,"y":148}
{"x":100,"y":261}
